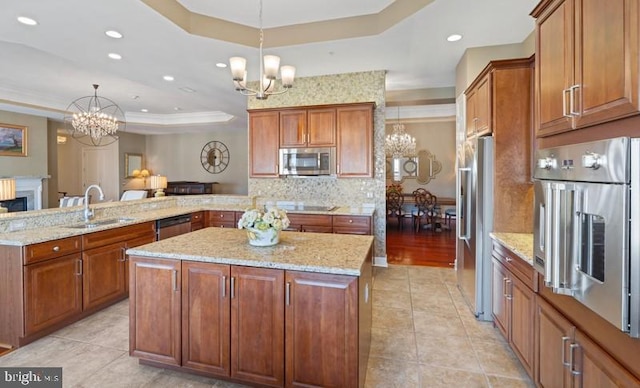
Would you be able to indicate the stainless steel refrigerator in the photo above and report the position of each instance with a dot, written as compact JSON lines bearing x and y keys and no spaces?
{"x":475,"y":207}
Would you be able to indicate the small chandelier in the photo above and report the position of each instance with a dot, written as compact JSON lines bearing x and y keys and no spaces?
{"x":269,"y":65}
{"x":95,"y":120}
{"x":399,"y":144}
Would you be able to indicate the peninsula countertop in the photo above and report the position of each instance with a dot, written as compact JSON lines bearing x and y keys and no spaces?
{"x":520,"y":243}
{"x":309,"y":252}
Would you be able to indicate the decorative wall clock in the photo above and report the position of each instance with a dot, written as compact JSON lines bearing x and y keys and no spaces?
{"x":214,"y":157}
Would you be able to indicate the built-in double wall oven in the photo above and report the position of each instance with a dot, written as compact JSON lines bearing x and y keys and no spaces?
{"x":587,"y":226}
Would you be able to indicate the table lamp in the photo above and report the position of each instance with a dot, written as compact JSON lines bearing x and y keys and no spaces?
{"x":7,"y":191}
{"x":159,"y":183}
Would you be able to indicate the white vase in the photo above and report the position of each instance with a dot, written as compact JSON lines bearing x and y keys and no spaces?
{"x":263,"y":238}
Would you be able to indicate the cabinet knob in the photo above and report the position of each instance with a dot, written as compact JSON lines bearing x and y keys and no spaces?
{"x":56,"y":249}
{"x":350,"y":221}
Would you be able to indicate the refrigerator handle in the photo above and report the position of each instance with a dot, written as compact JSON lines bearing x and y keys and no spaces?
{"x":464,"y":203}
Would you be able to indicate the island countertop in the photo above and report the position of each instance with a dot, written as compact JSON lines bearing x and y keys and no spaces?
{"x":341,"y":254}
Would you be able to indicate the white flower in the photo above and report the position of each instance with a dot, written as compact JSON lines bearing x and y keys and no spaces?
{"x":271,"y":218}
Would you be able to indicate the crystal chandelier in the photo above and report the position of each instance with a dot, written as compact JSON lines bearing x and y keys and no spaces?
{"x":269,"y":65}
{"x":399,"y":144}
{"x":95,"y":120}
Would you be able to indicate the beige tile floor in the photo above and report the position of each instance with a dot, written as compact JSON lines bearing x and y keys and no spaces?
{"x":423,"y":336}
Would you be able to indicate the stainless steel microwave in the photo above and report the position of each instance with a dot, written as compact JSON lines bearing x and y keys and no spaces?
{"x":307,"y":161}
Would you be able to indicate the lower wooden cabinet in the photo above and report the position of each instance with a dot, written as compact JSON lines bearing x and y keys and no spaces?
{"x":566,"y":357}
{"x":52,"y":292}
{"x":352,"y":225}
{"x":513,"y":303}
{"x":315,"y":223}
{"x":154,"y":310}
{"x":103,"y":278}
{"x":321,"y":335}
{"x":248,"y":324}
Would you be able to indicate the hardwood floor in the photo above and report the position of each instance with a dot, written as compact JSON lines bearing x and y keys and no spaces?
{"x":429,"y":248}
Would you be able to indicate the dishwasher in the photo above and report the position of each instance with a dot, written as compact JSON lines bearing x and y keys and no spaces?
{"x":173,"y":226}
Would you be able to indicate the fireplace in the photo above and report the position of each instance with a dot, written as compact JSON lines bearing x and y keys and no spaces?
{"x":15,"y":205}
{"x":31,"y":189}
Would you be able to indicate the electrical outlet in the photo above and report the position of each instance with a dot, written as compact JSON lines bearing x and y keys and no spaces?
{"x":17,"y":225}
{"x":369,"y":194}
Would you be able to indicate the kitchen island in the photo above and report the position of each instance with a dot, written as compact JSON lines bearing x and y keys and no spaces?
{"x":298,"y":313}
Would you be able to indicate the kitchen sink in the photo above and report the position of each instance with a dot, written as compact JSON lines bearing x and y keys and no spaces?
{"x":95,"y":224}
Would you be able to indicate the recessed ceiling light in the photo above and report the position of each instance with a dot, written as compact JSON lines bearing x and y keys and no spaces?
{"x":115,"y":56}
{"x":168,"y":78}
{"x":27,"y":21}
{"x":145,"y":110}
{"x":221,"y":65}
{"x":177,"y":108}
{"x":454,"y":37}
{"x":187,"y":89}
{"x":113,"y":34}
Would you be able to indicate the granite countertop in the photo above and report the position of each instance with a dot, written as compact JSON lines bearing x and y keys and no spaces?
{"x":310,"y":252}
{"x":519,"y":243}
{"x":54,"y":232}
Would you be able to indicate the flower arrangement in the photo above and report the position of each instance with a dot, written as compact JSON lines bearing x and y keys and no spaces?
{"x":272,"y":218}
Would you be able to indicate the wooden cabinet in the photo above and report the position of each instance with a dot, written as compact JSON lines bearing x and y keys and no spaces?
{"x":263,"y":144}
{"x":221,"y":218}
{"x":478,"y":107}
{"x":321,"y":336}
{"x":103,"y":271}
{"x":586,"y":63}
{"x":566,"y":357}
{"x":313,"y":127}
{"x":354,"y":131}
{"x":52,"y":292}
{"x":352,"y":225}
{"x":206,"y":318}
{"x":197,"y":220}
{"x":257,"y":325}
{"x":513,"y":303}
{"x":187,"y":188}
{"x":154,"y":310}
{"x":316,"y":223}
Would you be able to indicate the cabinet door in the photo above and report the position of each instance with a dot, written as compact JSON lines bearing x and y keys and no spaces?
{"x":554,"y":335}
{"x":154,"y":310}
{"x":206,"y":317}
{"x":293,"y":128}
{"x":606,"y":60}
{"x":554,"y":68}
{"x":103,"y":275}
{"x":483,"y":106}
{"x":257,"y":325}
{"x":321,"y":336}
{"x":52,"y":292}
{"x":321,"y":127}
{"x":594,"y":368}
{"x":522,"y":330}
{"x":263,"y":144}
{"x":355,"y":141}
{"x":470,"y":112}
{"x":499,"y":298}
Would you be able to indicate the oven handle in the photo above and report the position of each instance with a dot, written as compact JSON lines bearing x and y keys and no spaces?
{"x":552,"y":266}
{"x":548,"y":229}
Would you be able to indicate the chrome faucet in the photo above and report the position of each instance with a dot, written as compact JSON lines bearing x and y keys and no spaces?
{"x":88,"y":213}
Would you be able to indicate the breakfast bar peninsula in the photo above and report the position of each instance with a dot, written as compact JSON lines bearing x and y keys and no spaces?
{"x":294,"y":314}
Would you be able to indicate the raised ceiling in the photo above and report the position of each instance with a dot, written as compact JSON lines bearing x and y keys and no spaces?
{"x":45,"y":67}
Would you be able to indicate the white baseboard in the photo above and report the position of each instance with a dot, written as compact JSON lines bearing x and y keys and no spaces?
{"x":380,"y":261}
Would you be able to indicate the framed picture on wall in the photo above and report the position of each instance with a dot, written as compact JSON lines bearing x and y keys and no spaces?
{"x":13,"y":140}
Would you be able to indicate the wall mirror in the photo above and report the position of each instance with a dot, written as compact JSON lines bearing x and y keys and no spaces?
{"x":132,"y":162}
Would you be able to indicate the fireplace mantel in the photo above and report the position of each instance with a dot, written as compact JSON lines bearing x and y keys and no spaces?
{"x":30,"y":187}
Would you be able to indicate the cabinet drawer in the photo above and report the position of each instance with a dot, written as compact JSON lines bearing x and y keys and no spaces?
{"x":50,"y":249}
{"x":110,"y":236}
{"x":197,"y":217}
{"x":520,"y":268}
{"x":310,"y":219}
{"x":359,"y":222}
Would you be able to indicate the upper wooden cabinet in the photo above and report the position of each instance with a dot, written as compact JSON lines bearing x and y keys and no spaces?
{"x":263,"y":144}
{"x":478,"y":107}
{"x":314,"y":127}
{"x":355,"y":141}
{"x":499,"y":99}
{"x":586,"y":63}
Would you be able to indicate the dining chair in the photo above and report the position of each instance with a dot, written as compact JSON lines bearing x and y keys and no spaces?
{"x":426,"y":209}
{"x":395,"y":201}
